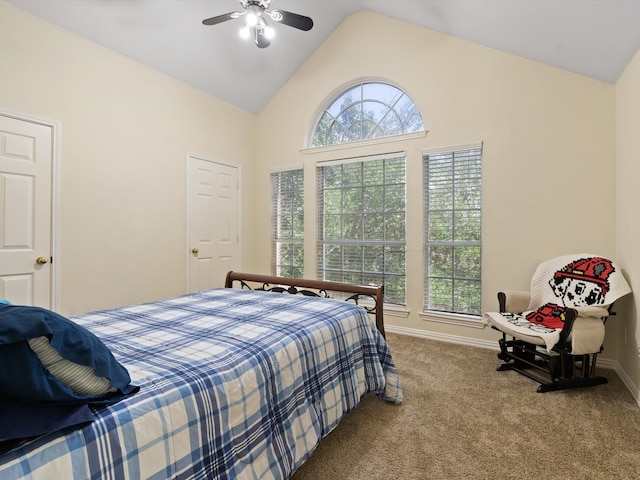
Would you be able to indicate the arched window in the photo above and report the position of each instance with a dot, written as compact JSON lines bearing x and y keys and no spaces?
{"x":366,"y":111}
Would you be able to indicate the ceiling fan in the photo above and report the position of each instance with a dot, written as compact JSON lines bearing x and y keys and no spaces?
{"x":256,"y":25}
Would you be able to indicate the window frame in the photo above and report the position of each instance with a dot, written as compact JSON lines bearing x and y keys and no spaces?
{"x":390,"y":112}
{"x":441,"y":315}
{"x":278,"y":241}
{"x":388,"y":245}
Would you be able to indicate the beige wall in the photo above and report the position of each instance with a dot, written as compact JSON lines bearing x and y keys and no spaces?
{"x":549,"y":147}
{"x":628,"y":214}
{"x":549,"y":157}
{"x":126,"y":132}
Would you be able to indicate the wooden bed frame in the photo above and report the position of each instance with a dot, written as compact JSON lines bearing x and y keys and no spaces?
{"x":320,"y":288}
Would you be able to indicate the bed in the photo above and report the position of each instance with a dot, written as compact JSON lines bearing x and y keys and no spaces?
{"x":233,"y":383}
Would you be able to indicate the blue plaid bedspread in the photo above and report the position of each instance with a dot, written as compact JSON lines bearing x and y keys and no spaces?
{"x":234,"y":384}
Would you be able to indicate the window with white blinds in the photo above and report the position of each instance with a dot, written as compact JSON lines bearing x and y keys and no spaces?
{"x":361,"y":223}
{"x":452,"y":225}
{"x":287,"y":193}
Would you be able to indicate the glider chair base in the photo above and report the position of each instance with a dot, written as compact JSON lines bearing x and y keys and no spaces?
{"x":558,"y":370}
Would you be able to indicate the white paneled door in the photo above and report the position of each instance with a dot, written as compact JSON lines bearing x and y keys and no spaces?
{"x":213,"y":205}
{"x":26,"y":162}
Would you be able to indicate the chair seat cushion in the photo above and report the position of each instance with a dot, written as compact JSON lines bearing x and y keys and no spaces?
{"x":517,"y":325}
{"x":586,"y":336}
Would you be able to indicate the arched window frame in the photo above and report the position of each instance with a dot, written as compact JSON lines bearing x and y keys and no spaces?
{"x":345,"y":90}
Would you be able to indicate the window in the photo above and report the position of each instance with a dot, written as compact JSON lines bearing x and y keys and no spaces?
{"x":361,"y":223}
{"x":452,"y":223}
{"x":366,"y":111}
{"x":287,"y":192}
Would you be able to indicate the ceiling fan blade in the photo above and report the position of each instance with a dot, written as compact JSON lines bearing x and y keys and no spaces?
{"x":220,"y":18}
{"x":261,"y":39}
{"x":292,"y":19}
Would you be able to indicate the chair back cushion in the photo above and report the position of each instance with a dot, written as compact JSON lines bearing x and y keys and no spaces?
{"x":577,"y":281}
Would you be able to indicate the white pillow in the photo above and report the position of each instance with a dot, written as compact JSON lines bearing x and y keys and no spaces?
{"x":79,"y":378}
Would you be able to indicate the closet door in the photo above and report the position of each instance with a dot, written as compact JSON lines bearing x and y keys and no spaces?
{"x":213,"y":222}
{"x":26,"y":160}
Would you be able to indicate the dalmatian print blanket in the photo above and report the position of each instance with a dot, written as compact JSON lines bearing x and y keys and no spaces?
{"x":580,"y":281}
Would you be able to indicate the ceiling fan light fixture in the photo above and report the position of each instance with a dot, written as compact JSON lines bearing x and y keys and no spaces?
{"x":256,"y":26}
{"x":269,"y":32}
{"x":254,"y":15}
{"x":245,"y":32}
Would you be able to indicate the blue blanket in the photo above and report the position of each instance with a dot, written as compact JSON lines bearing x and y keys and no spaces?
{"x":233,"y":384}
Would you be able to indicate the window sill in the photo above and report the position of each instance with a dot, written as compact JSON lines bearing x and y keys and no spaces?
{"x":390,"y":309}
{"x":459,"y":319}
{"x":365,"y":143}
{"x":396,"y":311}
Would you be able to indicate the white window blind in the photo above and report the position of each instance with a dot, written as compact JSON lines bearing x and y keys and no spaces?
{"x":287,"y":193}
{"x":361,"y":223}
{"x":452,"y":225}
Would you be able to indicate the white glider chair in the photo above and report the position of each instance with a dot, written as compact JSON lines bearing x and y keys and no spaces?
{"x":554,"y":333}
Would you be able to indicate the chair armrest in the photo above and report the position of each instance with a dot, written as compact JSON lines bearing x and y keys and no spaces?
{"x":589,"y":323}
{"x":592,"y":311}
{"x":570,"y":316}
{"x":513,"y":301}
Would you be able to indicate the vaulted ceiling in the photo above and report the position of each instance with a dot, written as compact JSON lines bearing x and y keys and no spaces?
{"x":596,"y":38}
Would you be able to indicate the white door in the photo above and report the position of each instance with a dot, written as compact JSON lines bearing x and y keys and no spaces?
{"x":214,"y":215}
{"x":26,"y":161}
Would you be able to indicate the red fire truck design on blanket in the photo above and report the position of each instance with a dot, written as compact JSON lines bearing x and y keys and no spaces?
{"x":550,"y":315}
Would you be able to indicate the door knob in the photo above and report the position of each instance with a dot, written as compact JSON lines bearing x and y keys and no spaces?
{"x":195,"y":251}
{"x":42,"y":260}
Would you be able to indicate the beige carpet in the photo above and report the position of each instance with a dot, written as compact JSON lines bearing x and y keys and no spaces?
{"x":461,"y":419}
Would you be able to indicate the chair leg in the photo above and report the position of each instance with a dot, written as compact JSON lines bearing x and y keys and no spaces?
{"x":553,"y":372}
{"x":521,"y":353}
{"x":575,"y":382}
{"x":566,"y":363}
{"x":561,"y":366}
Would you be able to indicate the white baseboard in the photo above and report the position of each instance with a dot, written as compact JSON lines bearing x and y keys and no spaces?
{"x":493,"y":345}
{"x":635,"y":393}
{"x":443,"y":337}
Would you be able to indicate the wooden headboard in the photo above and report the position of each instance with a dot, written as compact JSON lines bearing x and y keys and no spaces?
{"x":319,"y":288}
